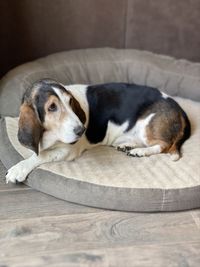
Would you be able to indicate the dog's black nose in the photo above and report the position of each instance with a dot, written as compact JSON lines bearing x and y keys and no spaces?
{"x":79,"y":130}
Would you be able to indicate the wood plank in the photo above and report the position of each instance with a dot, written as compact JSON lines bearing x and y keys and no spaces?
{"x":196,"y":217}
{"x":11,"y":186}
{"x":31,"y":203}
{"x":39,"y":230}
{"x":179,"y":255}
{"x":94,"y":231}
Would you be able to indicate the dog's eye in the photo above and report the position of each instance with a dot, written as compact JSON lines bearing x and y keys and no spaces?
{"x":52,"y":107}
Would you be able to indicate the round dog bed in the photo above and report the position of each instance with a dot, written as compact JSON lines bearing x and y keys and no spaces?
{"x":104,"y":177}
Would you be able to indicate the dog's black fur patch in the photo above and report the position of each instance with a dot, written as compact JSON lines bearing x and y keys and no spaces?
{"x":118,"y":103}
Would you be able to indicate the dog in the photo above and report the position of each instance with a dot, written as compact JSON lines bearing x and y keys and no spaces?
{"x":60,"y":122}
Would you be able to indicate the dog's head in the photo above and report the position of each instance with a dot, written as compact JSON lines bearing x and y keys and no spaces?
{"x":47,"y":107}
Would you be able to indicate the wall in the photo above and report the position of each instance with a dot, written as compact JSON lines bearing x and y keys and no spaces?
{"x":33,"y":28}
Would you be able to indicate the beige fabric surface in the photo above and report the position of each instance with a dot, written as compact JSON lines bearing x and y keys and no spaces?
{"x":105,"y":166}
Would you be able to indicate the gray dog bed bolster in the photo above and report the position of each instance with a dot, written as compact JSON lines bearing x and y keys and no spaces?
{"x":104,"y":177}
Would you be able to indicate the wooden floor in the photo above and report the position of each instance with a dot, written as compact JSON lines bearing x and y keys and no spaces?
{"x":40,"y":230}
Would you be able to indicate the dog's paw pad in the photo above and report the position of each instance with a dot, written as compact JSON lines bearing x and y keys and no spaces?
{"x":133,"y":155}
{"x":136,"y":153}
{"x":124,"y":148}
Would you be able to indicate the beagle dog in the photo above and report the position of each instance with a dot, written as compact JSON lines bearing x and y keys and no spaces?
{"x":60,"y":122}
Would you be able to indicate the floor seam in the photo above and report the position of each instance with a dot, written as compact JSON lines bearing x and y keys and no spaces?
{"x":196,"y":219}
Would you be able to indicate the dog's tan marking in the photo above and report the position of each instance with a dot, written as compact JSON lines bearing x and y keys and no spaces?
{"x":166,"y":129}
{"x":52,"y":118}
{"x":173,"y":148}
{"x":30,"y":129}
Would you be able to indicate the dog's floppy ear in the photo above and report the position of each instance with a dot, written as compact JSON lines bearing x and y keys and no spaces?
{"x":78,"y":110}
{"x":30,"y":130}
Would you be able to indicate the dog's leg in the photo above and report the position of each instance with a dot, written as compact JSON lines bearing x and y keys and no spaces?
{"x":20,"y":171}
{"x":145,"y":151}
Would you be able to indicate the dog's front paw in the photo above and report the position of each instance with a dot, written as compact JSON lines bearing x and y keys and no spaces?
{"x":17,"y":173}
